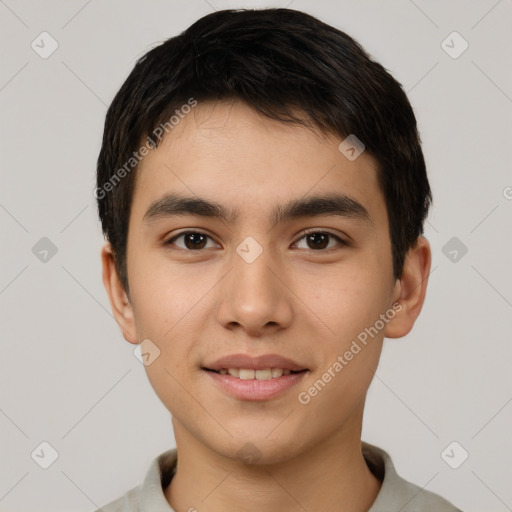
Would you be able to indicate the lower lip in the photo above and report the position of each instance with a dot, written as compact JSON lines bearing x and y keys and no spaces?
{"x":254,"y":389}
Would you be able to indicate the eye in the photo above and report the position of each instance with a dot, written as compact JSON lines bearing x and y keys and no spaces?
{"x":192,"y":241}
{"x":319,"y":240}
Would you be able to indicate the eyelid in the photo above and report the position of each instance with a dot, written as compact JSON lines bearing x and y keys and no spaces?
{"x":312,"y":231}
{"x":169,"y":240}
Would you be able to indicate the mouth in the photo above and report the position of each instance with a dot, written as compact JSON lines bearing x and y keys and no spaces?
{"x":250,"y":385}
{"x":251,"y":374}
{"x":249,"y":377}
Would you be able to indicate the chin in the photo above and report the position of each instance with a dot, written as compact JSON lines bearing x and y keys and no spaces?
{"x":260,"y":451}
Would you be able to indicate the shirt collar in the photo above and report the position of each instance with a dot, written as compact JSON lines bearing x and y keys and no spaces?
{"x":163,"y":467}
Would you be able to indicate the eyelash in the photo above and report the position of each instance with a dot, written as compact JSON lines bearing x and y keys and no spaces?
{"x":340,"y":241}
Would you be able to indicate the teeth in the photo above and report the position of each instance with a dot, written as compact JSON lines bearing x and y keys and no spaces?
{"x":263,"y":374}
{"x":247,"y":373}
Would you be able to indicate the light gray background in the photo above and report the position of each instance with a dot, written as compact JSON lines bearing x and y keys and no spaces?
{"x":66,"y":374}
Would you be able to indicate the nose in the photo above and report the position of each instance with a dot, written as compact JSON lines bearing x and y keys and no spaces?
{"x":254,"y":299}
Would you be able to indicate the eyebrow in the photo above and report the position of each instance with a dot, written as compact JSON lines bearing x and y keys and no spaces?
{"x":339,"y":205}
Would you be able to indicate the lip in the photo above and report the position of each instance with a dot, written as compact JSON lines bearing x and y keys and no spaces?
{"x":255,"y":363}
{"x":253,"y":389}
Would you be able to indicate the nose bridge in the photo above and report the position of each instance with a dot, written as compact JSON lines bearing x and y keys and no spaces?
{"x":255,"y":298}
{"x":253,"y":280}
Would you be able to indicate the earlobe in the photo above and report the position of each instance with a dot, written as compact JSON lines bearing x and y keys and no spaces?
{"x":410,"y":289}
{"x":119,"y":302}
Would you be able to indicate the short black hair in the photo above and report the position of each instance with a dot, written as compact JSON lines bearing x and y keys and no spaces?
{"x":280,"y":62}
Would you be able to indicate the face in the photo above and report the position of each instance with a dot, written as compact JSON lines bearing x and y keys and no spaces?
{"x":278,"y":273}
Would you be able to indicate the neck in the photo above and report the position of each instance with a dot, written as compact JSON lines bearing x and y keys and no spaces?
{"x":331,"y":475}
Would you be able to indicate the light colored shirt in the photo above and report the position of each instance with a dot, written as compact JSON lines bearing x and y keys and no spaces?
{"x":396,"y":494}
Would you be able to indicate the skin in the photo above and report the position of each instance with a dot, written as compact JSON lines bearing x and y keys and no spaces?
{"x":300,"y":302}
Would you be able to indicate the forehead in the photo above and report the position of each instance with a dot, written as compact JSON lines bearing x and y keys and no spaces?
{"x":227,"y":153}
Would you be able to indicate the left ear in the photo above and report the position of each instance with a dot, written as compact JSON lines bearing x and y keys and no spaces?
{"x":410,"y":289}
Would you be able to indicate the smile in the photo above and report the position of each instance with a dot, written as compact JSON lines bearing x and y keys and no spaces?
{"x":248,"y":373}
{"x":255,"y":385}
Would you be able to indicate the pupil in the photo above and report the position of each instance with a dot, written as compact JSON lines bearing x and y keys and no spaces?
{"x":195,"y":241}
{"x":319,"y":240}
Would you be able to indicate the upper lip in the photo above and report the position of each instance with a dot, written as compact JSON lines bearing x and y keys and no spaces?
{"x":262,"y":362}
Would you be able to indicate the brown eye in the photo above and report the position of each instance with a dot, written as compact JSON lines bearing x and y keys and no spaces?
{"x":317,"y":240}
{"x":320,"y":240}
{"x":191,"y":240}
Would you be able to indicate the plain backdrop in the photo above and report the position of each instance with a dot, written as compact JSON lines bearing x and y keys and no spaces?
{"x":68,"y":378}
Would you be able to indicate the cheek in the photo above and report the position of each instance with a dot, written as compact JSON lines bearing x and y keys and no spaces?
{"x":165,"y":315}
{"x":349,"y":298}
{"x":351,"y":303}
{"x":172,"y":307}
{"x":162,"y":295}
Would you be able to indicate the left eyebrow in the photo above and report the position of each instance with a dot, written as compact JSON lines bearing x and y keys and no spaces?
{"x":339,"y":205}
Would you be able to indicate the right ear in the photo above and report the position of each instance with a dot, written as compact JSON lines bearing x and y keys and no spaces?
{"x":119,"y":302}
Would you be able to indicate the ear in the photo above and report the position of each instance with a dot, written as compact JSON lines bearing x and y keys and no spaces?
{"x":119,"y":302}
{"x":410,"y":289}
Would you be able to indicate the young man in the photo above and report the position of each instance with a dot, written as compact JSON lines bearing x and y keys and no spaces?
{"x":262,"y":189}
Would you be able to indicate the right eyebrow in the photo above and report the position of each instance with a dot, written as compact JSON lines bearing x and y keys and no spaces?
{"x":173,"y":204}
